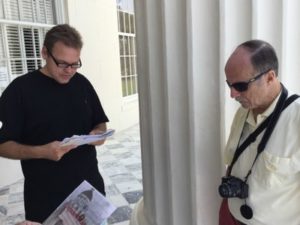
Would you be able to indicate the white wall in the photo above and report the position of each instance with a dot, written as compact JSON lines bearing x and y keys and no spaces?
{"x":96,"y":20}
{"x":10,"y":171}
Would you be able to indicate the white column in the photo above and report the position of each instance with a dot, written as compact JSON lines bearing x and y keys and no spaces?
{"x":291,"y":45}
{"x":267,"y":22}
{"x":235,"y":27}
{"x":178,"y":67}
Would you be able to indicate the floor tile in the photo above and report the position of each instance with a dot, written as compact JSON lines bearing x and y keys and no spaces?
{"x":118,"y":200}
{"x":121,"y":214}
{"x":129,"y":186}
{"x":133,"y":196}
{"x":126,"y":222}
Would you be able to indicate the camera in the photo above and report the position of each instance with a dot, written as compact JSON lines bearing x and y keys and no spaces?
{"x":233,"y":187}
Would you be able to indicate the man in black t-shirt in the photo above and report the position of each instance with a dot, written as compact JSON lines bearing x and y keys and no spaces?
{"x":38,"y":110}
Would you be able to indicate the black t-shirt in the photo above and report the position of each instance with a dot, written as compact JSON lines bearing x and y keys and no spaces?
{"x":36,"y":110}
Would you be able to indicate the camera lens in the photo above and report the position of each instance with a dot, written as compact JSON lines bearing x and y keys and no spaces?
{"x":232,"y":187}
{"x":224,"y":190}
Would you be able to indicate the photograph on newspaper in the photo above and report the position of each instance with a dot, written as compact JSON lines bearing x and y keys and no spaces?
{"x":84,"y":206}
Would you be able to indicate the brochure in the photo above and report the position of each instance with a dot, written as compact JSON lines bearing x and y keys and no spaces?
{"x":86,"y":139}
{"x":84,"y":206}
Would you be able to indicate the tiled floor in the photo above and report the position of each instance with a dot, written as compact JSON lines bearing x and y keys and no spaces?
{"x":120,"y":165}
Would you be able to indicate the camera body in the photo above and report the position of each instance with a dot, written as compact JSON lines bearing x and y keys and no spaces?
{"x":233,"y":187}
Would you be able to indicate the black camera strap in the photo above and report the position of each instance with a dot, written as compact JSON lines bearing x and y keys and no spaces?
{"x":268,"y":123}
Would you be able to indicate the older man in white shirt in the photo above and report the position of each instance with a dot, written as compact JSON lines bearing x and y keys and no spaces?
{"x":274,"y":175}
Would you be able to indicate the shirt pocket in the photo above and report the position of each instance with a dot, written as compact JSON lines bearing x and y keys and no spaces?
{"x":273,"y":171}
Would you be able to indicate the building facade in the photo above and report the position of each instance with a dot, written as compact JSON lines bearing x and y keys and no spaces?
{"x":185,"y":107}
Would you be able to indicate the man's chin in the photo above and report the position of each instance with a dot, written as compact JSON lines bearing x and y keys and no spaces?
{"x":244,"y":105}
{"x":64,"y":80}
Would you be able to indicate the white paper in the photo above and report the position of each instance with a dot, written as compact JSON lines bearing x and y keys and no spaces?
{"x":84,"y":206}
{"x":86,"y":139}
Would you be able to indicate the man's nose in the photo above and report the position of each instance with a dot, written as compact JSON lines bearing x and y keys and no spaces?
{"x":69,"y":69}
{"x":234,"y":93}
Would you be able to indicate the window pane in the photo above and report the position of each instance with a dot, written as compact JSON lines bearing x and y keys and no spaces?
{"x":27,"y":11}
{"x":28,"y":41}
{"x":122,"y":45}
{"x":133,"y":52}
{"x":33,"y":64}
{"x":127,"y":23}
{"x":124,"y":87}
{"x":133,"y":65}
{"x":37,"y":44}
{"x":11,"y":9}
{"x":134,"y":85}
{"x":130,"y":46}
{"x":122,"y":29}
{"x":119,"y":19}
{"x":40,"y":11}
{"x":127,"y":62}
{"x":123,"y":66}
{"x":49,"y":7}
{"x":4,"y":80}
{"x":132,"y":26}
{"x":30,"y":65}
{"x":126,"y":41}
{"x":2,"y":52}
{"x":1,"y":10}
{"x":32,"y":49}
{"x":16,"y":67}
{"x":130,"y":63}
{"x":125,"y":5}
{"x":31,"y":41}
{"x":13,"y":42}
{"x":129,"y":85}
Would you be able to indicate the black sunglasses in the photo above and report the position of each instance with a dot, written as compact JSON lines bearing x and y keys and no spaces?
{"x":243,"y":86}
{"x":65,"y":65}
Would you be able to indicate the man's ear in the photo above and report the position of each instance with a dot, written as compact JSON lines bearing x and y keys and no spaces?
{"x":271,"y":76}
{"x":44,"y":52}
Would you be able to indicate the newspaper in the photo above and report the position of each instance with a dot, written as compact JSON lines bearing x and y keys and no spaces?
{"x":86,"y":139}
{"x":84,"y":206}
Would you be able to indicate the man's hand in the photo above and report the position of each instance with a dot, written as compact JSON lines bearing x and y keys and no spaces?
{"x":99,"y":129}
{"x":54,"y":151}
{"x":96,"y":131}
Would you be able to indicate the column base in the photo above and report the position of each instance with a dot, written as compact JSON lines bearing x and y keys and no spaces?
{"x":138,"y":214}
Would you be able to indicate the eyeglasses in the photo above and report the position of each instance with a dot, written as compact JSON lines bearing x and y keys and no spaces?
{"x":65,"y":65}
{"x":243,"y":86}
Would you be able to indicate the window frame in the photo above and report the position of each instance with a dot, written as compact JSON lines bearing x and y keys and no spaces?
{"x":127,"y":52}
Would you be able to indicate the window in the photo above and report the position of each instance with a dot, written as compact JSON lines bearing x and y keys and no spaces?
{"x":23,"y":25}
{"x":127,"y":47}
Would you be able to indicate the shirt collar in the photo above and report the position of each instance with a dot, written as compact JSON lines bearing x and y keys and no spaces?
{"x":261,"y":117}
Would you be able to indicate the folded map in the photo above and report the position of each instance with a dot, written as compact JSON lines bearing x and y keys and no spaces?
{"x":86,"y":139}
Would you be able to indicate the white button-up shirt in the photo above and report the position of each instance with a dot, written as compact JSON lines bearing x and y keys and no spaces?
{"x":274,"y":184}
